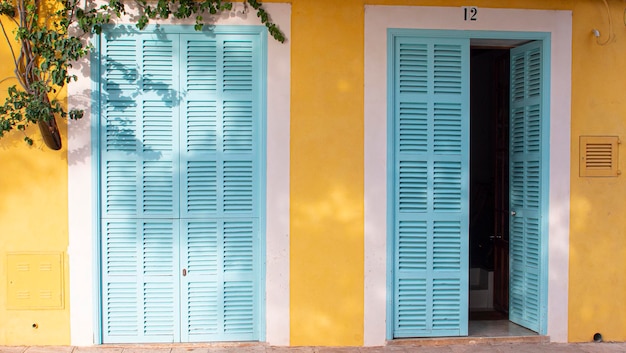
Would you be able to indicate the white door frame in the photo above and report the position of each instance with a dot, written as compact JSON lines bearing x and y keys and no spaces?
{"x":377,"y":20}
{"x":82,"y":184}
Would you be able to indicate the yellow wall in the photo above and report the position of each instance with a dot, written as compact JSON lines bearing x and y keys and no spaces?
{"x":327,"y":181}
{"x":33,"y":220}
{"x":327,"y":173}
{"x":326,"y":169}
{"x":597,"y":296}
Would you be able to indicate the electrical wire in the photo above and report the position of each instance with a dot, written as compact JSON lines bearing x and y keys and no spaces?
{"x":608,"y":14}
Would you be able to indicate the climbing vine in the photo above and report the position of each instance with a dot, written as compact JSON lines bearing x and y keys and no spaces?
{"x":44,"y":37}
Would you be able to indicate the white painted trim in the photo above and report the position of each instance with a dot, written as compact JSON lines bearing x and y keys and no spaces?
{"x":277,"y":210}
{"x":81,"y":201}
{"x":377,"y":20}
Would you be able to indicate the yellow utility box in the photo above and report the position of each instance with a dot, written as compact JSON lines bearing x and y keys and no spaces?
{"x":34,"y":281}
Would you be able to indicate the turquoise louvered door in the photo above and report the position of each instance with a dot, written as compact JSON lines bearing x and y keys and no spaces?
{"x":139,"y":190}
{"x":430,"y":168}
{"x":180,"y":184}
{"x":525,"y":186}
{"x":220,"y":188}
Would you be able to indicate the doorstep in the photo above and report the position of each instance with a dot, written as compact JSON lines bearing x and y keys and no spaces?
{"x":446,"y":341}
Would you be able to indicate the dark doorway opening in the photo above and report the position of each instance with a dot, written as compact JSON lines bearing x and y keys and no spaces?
{"x":489,"y":183}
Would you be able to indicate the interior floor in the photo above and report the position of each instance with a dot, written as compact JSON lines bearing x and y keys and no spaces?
{"x":497,"y":328}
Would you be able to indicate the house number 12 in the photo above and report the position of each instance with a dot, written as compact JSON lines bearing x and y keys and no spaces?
{"x":470,"y":13}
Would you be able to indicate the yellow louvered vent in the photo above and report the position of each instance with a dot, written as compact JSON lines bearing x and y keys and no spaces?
{"x":598,"y":156}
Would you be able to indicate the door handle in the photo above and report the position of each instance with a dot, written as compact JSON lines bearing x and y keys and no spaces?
{"x":513,"y":213}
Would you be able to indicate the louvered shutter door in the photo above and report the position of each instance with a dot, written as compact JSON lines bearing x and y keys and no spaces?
{"x":220,"y":187}
{"x":139,"y":190}
{"x":180,"y":184}
{"x":431,"y":155}
{"x":525,"y":186}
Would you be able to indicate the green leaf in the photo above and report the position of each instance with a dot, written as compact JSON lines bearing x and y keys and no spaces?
{"x":46,"y":48}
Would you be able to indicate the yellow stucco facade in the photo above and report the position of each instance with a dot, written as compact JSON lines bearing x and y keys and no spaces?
{"x":597,"y":290}
{"x":326,"y":251}
{"x":327,"y":174}
{"x":597,"y":234}
{"x":34,"y":222}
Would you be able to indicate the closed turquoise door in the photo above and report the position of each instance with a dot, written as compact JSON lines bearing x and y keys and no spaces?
{"x":526,"y":239}
{"x":429,"y":204}
{"x":180,"y":162}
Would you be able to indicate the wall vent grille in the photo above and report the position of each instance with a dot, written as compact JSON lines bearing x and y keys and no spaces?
{"x":598,"y":156}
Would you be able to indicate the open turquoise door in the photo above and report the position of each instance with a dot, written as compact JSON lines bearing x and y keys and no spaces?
{"x":429,"y":126}
{"x":526,"y":239}
{"x":181,"y":185}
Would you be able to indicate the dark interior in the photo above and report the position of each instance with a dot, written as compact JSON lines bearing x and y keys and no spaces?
{"x":489,"y":130}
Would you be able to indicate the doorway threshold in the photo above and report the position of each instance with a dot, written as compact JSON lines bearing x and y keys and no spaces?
{"x":497,"y":328}
{"x":480,"y":332}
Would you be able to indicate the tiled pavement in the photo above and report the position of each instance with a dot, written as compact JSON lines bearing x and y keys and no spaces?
{"x":259,"y":348}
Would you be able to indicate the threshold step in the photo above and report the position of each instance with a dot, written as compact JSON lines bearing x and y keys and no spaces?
{"x":446,"y":341}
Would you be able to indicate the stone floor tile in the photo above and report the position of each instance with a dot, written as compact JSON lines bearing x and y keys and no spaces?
{"x":218,"y":349}
{"x":538,"y":347}
{"x":298,"y":349}
{"x":250,"y":347}
{"x":12,"y":349}
{"x":190,"y":350}
{"x":98,"y":349}
{"x":49,"y":349}
{"x":521,"y":347}
{"x":337,"y":350}
{"x":484,"y":347}
{"x":474,"y":348}
{"x":237,"y":349}
{"x":159,"y":349}
{"x":397,"y":349}
{"x":377,"y":350}
{"x":428,"y":349}
{"x":603,"y":347}
{"x":215,"y":349}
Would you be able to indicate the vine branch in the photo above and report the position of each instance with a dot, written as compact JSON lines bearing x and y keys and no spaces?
{"x":46,"y":50}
